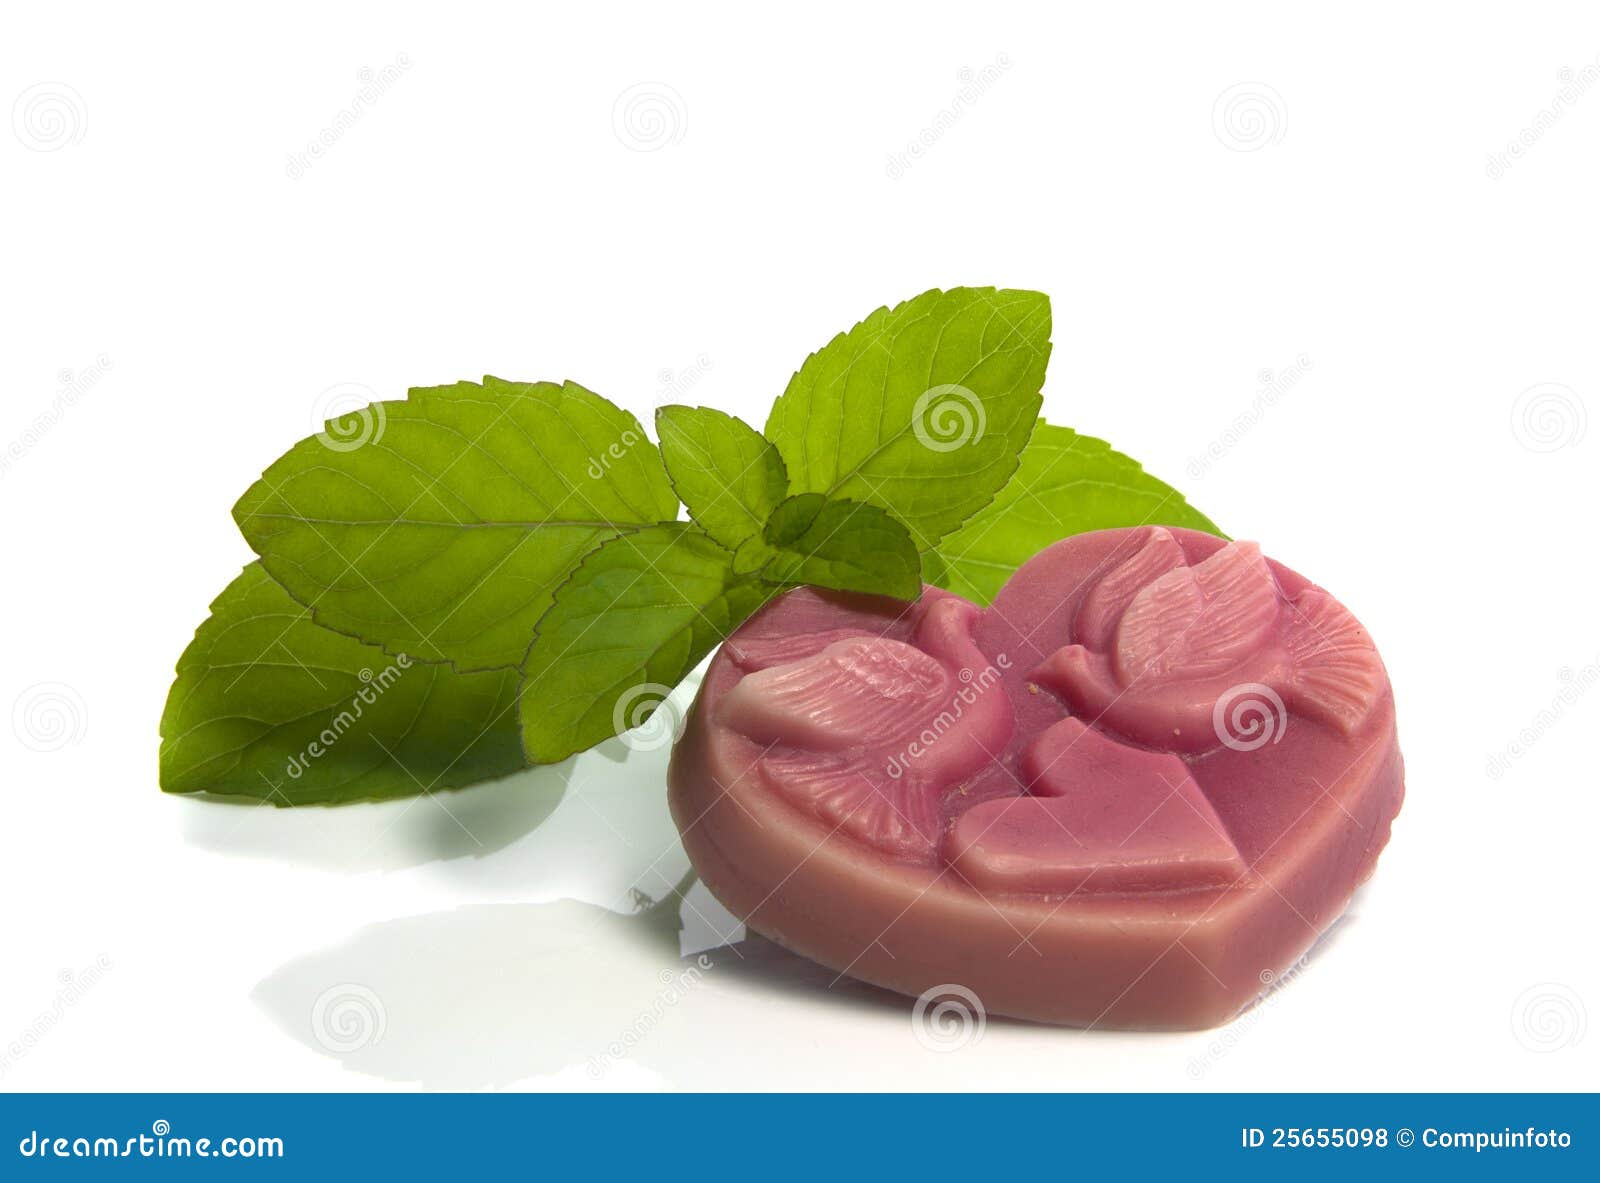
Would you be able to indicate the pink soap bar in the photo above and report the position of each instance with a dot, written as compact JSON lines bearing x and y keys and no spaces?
{"x":1127,"y":794}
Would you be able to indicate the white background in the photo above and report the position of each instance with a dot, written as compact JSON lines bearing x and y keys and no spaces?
{"x":493,"y":212}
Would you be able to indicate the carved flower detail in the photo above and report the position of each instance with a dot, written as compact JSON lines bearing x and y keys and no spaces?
{"x":866,"y":732}
{"x":1163,"y":646}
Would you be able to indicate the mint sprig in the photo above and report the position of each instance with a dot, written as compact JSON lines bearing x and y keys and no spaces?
{"x":514,"y":550}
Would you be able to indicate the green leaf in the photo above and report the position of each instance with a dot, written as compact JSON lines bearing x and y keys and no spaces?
{"x":444,"y":527}
{"x":270,"y":705}
{"x":636,"y":616}
{"x":922,"y":409}
{"x":471,"y":389}
{"x":1067,"y":484}
{"x":729,"y":477}
{"x":844,"y":545}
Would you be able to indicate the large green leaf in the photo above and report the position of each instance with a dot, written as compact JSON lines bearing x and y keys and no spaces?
{"x":636,"y":616}
{"x":270,"y":705}
{"x":443,"y":530}
{"x":1067,"y":484}
{"x":724,"y":472}
{"x":922,"y":409}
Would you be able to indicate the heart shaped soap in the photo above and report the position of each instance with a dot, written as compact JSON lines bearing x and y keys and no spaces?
{"x":1127,"y":794}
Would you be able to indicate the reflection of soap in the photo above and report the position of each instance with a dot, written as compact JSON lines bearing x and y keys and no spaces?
{"x":1131,"y":791}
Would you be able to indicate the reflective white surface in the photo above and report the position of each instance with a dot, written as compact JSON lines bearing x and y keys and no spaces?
{"x":487,"y":215}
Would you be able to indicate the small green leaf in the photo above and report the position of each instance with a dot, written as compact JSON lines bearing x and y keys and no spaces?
{"x":444,"y":527}
{"x":1067,"y":484}
{"x":922,"y":409}
{"x":636,"y":616}
{"x":844,"y":545}
{"x":270,"y":705}
{"x":730,"y":478}
{"x":753,"y":554}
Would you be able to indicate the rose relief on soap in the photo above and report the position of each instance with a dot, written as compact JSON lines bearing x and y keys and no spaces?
{"x":1129,"y":793}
